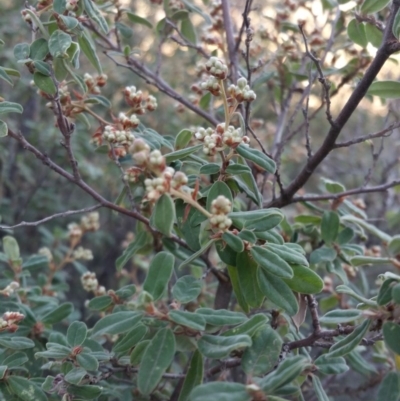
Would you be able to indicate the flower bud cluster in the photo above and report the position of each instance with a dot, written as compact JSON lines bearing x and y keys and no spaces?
{"x":10,"y":289}
{"x":91,"y":221}
{"x":95,"y":83}
{"x":241,"y":92}
{"x":71,"y":5}
{"x":133,"y":96}
{"x":90,"y":284}
{"x":212,"y":85}
{"x":82,"y":254}
{"x":220,"y":207}
{"x":132,"y":174}
{"x":128,"y":122}
{"x":217,"y":68}
{"x":10,"y":321}
{"x":26,"y":17}
{"x":118,"y":137}
{"x":46,"y":252}
{"x":216,"y":140}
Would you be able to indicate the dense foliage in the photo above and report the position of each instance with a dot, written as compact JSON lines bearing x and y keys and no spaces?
{"x":202,"y":127}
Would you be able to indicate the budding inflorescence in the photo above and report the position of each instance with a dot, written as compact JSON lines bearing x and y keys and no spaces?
{"x":217,"y":68}
{"x":9,"y":321}
{"x":82,"y":254}
{"x":95,"y":83}
{"x":10,"y":289}
{"x":217,"y":140}
{"x":241,"y":92}
{"x":220,"y":207}
{"x":90,"y":284}
{"x":123,"y":137}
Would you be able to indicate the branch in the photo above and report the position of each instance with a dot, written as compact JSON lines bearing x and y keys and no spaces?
{"x":322,"y":79}
{"x":367,"y":137}
{"x":54,"y":216}
{"x":389,"y":46}
{"x":230,"y":40}
{"x":356,"y":191}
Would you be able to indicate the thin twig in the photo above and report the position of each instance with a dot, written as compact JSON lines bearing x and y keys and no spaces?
{"x":53,"y":216}
{"x":230,"y":40}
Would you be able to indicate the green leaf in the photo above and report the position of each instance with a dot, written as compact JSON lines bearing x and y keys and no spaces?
{"x":130,"y":339}
{"x":396,"y":293}
{"x":233,"y":241}
{"x":38,"y":49}
{"x":138,"y":352}
{"x":16,"y":342}
{"x":70,"y":23}
{"x":76,"y":333}
{"x":257,"y":157}
{"x":374,"y":35}
{"x":331,"y":366}
{"x":25,"y":389}
{"x":10,"y":245}
{"x":86,"y":392}
{"x":156,"y":359}
{"x":89,"y":49}
{"x":58,"y":314}
{"x":188,"y":31}
{"x":216,"y":347}
{"x":181,"y":154}
{"x":4,"y":76}
{"x":100,"y":303}
{"x":195,"y":255}
{"x":263,"y":355}
{"x":277,"y":291}
{"x":394,"y":246}
{"x":373,"y":6}
{"x":186,"y":289}
{"x":234,"y":277}
{"x":348,"y":343}
{"x":307,"y":219}
{"x":237,"y":169}
{"x":217,"y":189}
{"x":59,"y":43}
{"x":368,"y":260}
{"x":286,"y":372}
{"x":385,"y":292}
{"x":271,"y":262}
{"x":389,"y":389}
{"x":391,"y":335}
{"x":247,"y":277}
{"x":359,"y":364}
{"x":205,"y":101}
{"x":95,"y":14}
{"x":305,"y":280}
{"x":356,"y":32}
{"x":221,"y":391}
{"x":163,"y":216}
{"x":323,"y":254}
{"x":75,"y":375}
{"x":329,"y":227}
{"x":59,"y":69}
{"x":385,"y":89}
{"x":250,"y":327}
{"x":333,"y":187}
{"x":183,"y":138}
{"x":136,"y":245}
{"x":16,"y":359}
{"x":188,"y":319}
{"x":44,"y":83}
{"x":87,"y":361}
{"x":343,"y":289}
{"x":319,"y":389}
{"x":396,"y":25}
{"x":10,"y":107}
{"x":257,"y":220}
{"x":3,"y":129}
{"x":288,"y":254}
{"x":43,"y":68}
{"x":139,"y":20}
{"x":194,"y":376}
{"x":59,"y":6}
{"x":221,"y":317}
{"x":116,"y":323}
{"x":247,"y":184}
{"x":160,"y":271}
{"x":21,"y":51}
{"x":341,"y":316}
